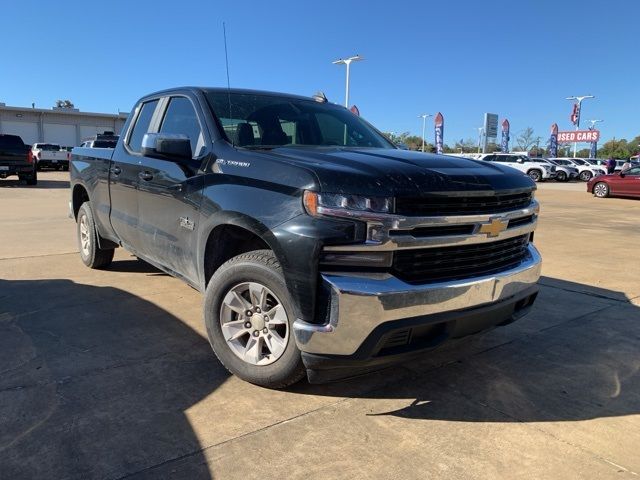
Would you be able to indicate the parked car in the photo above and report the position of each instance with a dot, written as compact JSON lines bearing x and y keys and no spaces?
{"x":50,"y":155}
{"x":320,"y":247}
{"x":16,"y":159}
{"x":564,"y":173}
{"x":586,"y":171}
{"x":108,"y":140}
{"x":537,"y":171}
{"x":617,"y":184}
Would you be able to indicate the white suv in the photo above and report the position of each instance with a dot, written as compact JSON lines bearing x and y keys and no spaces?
{"x":536,"y":171}
{"x":564,"y":173}
{"x":587,"y":170}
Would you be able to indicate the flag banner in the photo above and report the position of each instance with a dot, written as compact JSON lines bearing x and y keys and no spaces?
{"x":553,"y":141}
{"x":439,"y":130}
{"x":504,"y":145}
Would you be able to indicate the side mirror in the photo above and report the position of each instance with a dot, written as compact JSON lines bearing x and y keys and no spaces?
{"x":166,"y":146}
{"x":520,"y":160}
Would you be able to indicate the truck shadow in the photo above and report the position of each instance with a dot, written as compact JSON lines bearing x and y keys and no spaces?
{"x":42,"y":184}
{"x":574,"y":357}
{"x":95,"y":382}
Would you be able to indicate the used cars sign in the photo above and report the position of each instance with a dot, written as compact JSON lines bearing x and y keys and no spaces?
{"x":579,"y":136}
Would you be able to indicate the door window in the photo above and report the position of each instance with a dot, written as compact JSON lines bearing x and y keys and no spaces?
{"x":181,"y":118}
{"x":142,"y":125}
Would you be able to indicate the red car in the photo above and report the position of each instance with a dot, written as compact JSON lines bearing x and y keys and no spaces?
{"x":619,"y":184}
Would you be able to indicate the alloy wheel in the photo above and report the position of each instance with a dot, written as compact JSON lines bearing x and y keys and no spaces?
{"x":254,"y":323}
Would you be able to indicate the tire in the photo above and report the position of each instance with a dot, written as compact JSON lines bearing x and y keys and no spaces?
{"x":601,"y":190}
{"x":92,"y":255}
{"x":253,"y":354}
{"x":585,"y":175}
{"x":535,"y":175}
{"x":30,"y":179}
{"x":561,"y":177}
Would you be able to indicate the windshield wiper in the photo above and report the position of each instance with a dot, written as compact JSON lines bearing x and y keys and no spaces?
{"x":261,"y":147}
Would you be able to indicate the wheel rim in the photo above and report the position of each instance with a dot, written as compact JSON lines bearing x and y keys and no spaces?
{"x":534,"y":175}
{"x":85,"y":237}
{"x":561,"y":176}
{"x":586,"y":176}
{"x":600,"y":190}
{"x":254,"y":323}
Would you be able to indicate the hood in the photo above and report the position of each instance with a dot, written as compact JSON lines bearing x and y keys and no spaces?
{"x":394,"y":172}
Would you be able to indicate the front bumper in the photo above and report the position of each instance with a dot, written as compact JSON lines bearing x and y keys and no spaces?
{"x":365,"y":309}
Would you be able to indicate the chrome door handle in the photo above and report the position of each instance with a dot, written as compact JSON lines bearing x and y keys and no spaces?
{"x":116,"y":170}
{"x":145,"y":176}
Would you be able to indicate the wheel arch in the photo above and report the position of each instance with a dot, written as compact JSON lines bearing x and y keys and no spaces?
{"x":79,"y":195}
{"x":231,"y":234}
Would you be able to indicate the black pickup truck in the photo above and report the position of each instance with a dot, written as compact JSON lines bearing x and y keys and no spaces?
{"x":16,"y":159}
{"x":320,"y":247}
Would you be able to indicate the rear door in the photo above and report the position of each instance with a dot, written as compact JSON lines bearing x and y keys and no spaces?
{"x":169,"y":192}
{"x":124,"y":177}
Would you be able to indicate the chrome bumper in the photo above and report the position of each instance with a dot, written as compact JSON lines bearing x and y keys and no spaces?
{"x":360,"y":303}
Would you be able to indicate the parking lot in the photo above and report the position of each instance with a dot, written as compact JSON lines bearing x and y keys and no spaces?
{"x":108,"y":374}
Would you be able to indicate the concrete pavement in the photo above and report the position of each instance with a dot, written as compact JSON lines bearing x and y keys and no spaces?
{"x":108,"y":374}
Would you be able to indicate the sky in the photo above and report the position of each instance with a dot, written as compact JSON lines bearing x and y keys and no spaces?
{"x":518,"y":59}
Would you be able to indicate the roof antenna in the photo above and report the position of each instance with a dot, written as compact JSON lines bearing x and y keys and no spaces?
{"x":226,"y":58}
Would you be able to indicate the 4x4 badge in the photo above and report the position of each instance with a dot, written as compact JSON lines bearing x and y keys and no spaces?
{"x":494,"y":227}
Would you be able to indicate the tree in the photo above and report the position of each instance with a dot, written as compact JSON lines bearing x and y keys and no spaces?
{"x":526,"y":139}
{"x":584,"y":152}
{"x":615,"y":149}
{"x":64,"y":104}
{"x":466,"y":146}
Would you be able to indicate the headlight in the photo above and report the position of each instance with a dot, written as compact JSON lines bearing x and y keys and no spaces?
{"x":317,"y":203}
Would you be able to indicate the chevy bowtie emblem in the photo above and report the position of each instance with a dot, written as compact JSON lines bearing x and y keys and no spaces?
{"x":494,"y":227}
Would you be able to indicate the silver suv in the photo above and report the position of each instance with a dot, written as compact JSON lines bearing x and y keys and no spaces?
{"x":536,"y":171}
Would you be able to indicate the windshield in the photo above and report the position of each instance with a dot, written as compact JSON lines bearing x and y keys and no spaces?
{"x":579,"y":162}
{"x":268,"y":121}
{"x":49,"y":147}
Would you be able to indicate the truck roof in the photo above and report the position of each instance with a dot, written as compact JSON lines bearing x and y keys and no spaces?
{"x":231,"y":90}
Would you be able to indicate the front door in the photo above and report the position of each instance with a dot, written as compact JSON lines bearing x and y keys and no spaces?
{"x":124,"y":170}
{"x":169,"y":195}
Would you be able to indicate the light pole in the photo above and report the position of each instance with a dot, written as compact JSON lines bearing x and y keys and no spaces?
{"x":579,"y":100}
{"x":424,"y":117}
{"x":347,"y":62}
{"x":593,"y":123}
{"x":593,"y":151}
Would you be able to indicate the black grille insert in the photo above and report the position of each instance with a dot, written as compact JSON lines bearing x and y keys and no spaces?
{"x":465,"y":205}
{"x":453,"y":263}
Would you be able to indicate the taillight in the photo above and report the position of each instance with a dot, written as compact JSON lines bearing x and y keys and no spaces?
{"x":68,"y":156}
{"x":29,"y":156}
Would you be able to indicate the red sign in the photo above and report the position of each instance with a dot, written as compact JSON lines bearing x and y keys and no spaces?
{"x":587,"y":136}
{"x":355,"y":110}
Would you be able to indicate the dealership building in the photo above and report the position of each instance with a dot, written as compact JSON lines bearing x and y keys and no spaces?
{"x":65,"y":126}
